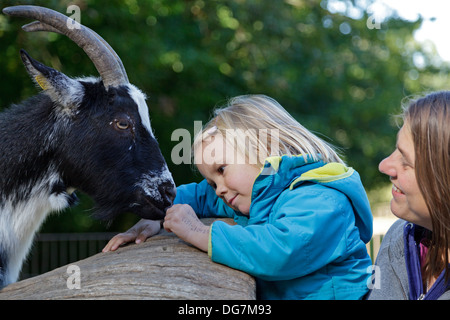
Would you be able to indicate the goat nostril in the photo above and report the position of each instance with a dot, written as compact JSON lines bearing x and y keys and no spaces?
{"x":169,"y":192}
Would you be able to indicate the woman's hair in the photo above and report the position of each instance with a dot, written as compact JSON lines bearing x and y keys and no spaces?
{"x":429,"y":121}
{"x":257,"y":127}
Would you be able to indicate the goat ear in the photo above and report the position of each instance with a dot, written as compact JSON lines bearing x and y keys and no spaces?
{"x":59,"y":87}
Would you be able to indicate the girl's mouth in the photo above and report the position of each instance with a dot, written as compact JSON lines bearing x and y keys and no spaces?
{"x":231,"y":201}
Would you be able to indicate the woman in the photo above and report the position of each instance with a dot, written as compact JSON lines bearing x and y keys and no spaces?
{"x":413,"y":261}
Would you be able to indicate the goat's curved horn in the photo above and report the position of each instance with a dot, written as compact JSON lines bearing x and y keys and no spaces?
{"x":106,"y":61}
{"x":41,"y":26}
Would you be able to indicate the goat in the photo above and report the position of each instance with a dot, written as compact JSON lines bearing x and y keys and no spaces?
{"x":88,"y":134}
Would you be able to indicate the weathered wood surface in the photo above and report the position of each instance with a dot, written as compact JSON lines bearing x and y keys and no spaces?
{"x":164,"y":267}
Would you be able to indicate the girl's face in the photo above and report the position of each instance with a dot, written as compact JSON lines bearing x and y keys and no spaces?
{"x":407,"y":201}
{"x":227,"y":172}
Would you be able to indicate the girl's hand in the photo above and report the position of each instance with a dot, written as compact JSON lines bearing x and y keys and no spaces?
{"x":182,"y":220}
{"x":139,"y":233}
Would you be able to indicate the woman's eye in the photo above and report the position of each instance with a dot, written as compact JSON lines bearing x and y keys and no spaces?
{"x":221,"y":169}
{"x":405,"y":164}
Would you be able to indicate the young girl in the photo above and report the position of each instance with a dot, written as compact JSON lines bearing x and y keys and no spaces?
{"x":302,"y":216}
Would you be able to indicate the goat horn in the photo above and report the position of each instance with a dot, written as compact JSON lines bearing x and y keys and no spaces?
{"x":106,"y":61}
{"x":41,"y":26}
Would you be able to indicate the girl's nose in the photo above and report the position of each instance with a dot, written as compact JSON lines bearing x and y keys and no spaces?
{"x":220,"y":189}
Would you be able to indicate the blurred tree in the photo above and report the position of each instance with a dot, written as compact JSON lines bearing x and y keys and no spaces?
{"x":333,"y":73}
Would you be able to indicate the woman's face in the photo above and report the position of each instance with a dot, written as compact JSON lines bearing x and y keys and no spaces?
{"x":407,"y":201}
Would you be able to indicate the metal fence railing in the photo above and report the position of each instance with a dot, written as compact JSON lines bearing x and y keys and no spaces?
{"x":53,"y":250}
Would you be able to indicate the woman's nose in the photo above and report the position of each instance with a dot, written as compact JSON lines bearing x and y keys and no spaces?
{"x":386,"y":166}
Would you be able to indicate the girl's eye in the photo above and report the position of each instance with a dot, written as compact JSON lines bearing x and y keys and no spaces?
{"x":221,"y":169}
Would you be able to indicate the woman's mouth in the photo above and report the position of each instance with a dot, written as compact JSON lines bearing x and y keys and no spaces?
{"x":396,"y":190}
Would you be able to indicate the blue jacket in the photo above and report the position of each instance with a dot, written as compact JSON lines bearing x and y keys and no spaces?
{"x":305,"y":234}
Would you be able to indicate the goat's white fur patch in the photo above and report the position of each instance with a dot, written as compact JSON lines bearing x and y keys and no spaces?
{"x":20,"y":220}
{"x":150,"y":181}
{"x":139,"y":98}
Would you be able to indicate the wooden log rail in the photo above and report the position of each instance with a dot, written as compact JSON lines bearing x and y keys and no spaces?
{"x":164,"y":267}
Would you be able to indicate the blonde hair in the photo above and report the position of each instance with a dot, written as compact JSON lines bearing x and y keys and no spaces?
{"x":259,"y":127}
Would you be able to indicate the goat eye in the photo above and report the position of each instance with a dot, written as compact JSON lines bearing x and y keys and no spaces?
{"x":121,"y":124}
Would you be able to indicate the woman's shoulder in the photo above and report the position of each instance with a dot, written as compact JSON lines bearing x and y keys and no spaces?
{"x":390,"y":272}
{"x":392,"y":246}
{"x":395,"y":232}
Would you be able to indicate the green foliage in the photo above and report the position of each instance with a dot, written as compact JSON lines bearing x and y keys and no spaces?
{"x":331,"y":72}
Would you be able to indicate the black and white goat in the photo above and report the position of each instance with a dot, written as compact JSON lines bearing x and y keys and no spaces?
{"x":88,"y":134}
